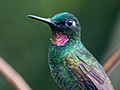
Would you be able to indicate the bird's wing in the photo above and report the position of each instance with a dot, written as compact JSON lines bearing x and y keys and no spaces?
{"x":84,"y":74}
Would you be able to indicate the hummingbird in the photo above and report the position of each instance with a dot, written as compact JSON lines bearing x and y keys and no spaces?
{"x":72,"y":66}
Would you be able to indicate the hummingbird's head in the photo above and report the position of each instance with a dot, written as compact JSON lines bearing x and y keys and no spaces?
{"x":65,"y":27}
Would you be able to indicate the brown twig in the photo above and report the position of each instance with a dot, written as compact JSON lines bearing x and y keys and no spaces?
{"x":15,"y":80}
{"x":112,"y":60}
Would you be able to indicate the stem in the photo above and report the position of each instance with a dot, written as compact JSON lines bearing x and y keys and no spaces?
{"x":112,"y":60}
{"x":12,"y":77}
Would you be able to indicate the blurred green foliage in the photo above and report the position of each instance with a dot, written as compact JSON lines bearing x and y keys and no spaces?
{"x":24,"y":42}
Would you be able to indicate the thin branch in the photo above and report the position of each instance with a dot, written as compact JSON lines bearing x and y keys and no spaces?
{"x":11,"y":76}
{"x":113,"y":59}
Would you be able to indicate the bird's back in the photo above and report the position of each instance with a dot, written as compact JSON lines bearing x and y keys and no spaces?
{"x":73,"y":65}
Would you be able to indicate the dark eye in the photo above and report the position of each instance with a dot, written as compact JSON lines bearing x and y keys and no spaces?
{"x":70,"y":23}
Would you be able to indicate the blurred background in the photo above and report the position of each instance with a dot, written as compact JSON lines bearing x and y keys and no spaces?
{"x":24,"y":42}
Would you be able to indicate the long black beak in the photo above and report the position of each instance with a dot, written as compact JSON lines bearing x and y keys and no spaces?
{"x":49,"y":21}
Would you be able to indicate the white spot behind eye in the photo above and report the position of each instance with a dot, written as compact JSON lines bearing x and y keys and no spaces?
{"x":74,"y":23}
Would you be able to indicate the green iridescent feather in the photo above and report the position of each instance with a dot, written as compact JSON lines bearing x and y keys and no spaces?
{"x":61,"y":66}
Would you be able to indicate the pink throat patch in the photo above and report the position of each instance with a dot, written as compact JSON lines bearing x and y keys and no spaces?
{"x":59,"y":39}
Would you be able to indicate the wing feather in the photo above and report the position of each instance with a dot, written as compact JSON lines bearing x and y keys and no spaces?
{"x":97,"y":80}
{"x":86,"y":76}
